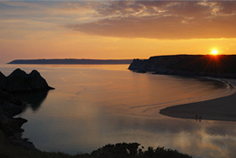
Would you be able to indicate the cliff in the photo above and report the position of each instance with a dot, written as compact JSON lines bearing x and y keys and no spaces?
{"x":10,"y":106}
{"x":189,"y":65}
{"x":10,"y":125}
{"x":19,"y":81}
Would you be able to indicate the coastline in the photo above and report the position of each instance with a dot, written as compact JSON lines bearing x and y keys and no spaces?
{"x":221,"y":68}
{"x":156,"y":111}
{"x":221,"y":109}
{"x":10,"y":124}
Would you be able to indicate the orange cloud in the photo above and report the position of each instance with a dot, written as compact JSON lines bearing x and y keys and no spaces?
{"x":163,"y":20}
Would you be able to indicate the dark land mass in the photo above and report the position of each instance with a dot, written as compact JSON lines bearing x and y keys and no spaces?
{"x":72,"y":61}
{"x":12,"y":87}
{"x":19,"y":81}
{"x":223,"y":66}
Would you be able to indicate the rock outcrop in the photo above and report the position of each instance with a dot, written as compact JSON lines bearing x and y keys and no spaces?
{"x":3,"y":81}
{"x":17,"y":81}
{"x":20,"y":81}
{"x":37,"y":82}
{"x":188,"y":65}
{"x":11,"y":126}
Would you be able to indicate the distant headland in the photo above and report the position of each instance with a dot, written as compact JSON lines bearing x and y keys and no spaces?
{"x":223,"y":66}
{"x":71,"y":61}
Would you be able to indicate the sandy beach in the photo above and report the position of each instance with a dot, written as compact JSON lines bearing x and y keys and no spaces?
{"x":223,"y":109}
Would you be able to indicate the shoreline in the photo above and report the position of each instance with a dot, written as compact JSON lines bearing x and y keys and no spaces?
{"x":220,"y":109}
{"x":10,"y":123}
{"x":13,"y":145}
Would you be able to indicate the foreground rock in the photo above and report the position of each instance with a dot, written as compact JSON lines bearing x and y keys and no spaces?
{"x":3,"y":81}
{"x":11,"y":126}
{"x":19,"y":81}
{"x":189,"y":65}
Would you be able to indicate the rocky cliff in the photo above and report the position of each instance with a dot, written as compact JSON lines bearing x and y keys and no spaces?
{"x":189,"y":65}
{"x":19,"y":81}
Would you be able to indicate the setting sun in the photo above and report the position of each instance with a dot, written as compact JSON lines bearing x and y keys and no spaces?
{"x":214,"y":52}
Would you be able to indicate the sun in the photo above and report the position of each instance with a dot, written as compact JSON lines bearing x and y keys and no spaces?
{"x":214,"y":52}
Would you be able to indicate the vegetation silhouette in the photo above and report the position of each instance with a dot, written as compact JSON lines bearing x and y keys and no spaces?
{"x":120,"y":150}
{"x":132,"y":150}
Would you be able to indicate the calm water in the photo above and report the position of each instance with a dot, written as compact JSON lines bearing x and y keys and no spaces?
{"x":94,"y":105}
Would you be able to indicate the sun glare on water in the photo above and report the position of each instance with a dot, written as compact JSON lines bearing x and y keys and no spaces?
{"x":214,"y":52}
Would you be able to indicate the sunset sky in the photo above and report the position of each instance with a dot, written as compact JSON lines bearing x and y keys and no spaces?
{"x":115,"y":29}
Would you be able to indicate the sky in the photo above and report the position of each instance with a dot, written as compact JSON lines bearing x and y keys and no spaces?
{"x":109,"y":29}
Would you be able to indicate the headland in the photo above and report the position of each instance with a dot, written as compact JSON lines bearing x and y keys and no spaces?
{"x":72,"y":61}
{"x":221,"y":66}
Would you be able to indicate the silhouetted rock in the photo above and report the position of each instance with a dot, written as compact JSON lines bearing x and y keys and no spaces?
{"x":189,"y":65}
{"x":19,"y":81}
{"x":10,"y":109}
{"x":11,"y":126}
{"x":3,"y":81}
{"x":10,"y":106}
{"x":37,"y":82}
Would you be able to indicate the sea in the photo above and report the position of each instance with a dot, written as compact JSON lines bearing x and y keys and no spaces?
{"x":95,"y":105}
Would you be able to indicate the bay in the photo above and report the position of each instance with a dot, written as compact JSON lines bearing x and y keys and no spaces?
{"x":94,"y":105}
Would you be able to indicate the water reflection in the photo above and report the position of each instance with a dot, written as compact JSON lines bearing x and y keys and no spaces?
{"x":33,"y":100}
{"x":94,"y":107}
{"x":208,"y":139}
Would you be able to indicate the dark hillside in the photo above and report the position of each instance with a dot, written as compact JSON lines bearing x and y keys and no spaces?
{"x":195,"y":65}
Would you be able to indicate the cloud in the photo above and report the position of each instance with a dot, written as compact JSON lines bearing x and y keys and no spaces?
{"x":162,"y":20}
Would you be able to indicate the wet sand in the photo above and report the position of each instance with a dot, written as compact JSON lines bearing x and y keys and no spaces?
{"x":223,"y":109}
